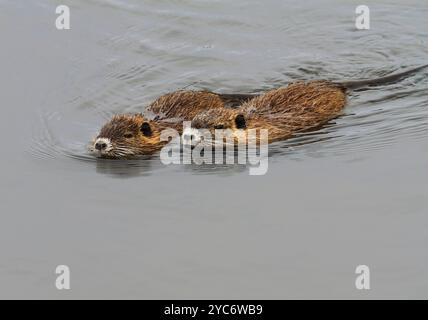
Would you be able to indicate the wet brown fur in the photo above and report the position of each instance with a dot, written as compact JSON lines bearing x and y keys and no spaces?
{"x":185,"y":105}
{"x":285,"y":111}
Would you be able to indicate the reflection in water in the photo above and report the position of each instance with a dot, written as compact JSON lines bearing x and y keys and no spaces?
{"x":217,"y":169}
{"x":146,"y":165}
{"x":124,"y":168}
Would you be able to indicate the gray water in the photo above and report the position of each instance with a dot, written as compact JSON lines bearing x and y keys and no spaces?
{"x":353,"y":193}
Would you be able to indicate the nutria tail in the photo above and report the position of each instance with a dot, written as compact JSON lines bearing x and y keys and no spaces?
{"x":380,"y":81}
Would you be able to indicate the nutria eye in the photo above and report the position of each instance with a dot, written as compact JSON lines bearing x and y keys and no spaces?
{"x":128,"y":135}
{"x":145,"y":129}
{"x":219,"y":126}
{"x":240,"y":122}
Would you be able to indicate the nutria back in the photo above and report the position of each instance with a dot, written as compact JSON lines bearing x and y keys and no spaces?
{"x":283,"y":112}
{"x":184,"y":105}
{"x":298,"y":98}
{"x":295,"y":108}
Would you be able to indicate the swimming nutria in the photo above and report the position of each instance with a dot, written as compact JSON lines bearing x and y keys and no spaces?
{"x":284,"y":111}
{"x":288,"y":110}
{"x":298,"y":107}
{"x":129,"y":135}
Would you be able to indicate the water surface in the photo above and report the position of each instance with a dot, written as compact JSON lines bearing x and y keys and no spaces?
{"x":352,"y":193}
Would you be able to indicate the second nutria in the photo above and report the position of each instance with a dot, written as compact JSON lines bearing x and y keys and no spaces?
{"x":288,"y":110}
{"x":285,"y":111}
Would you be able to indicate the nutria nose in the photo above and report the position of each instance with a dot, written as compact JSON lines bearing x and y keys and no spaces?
{"x":100,"y":145}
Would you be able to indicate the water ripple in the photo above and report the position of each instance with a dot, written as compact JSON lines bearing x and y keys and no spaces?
{"x":198,"y":45}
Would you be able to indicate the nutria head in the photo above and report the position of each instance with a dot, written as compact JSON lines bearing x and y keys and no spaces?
{"x":126,"y":136}
{"x":238,"y":123}
{"x":230,"y":120}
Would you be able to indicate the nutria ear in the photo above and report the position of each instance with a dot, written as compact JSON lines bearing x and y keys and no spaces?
{"x":146,"y":129}
{"x":240,"y":122}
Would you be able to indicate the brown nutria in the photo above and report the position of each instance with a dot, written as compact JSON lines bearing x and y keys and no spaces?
{"x":184,"y":105}
{"x":284,"y":111}
{"x":127,"y":136}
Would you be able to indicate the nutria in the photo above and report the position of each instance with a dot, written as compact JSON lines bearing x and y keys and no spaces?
{"x":298,"y":107}
{"x":288,"y":110}
{"x":129,"y":135}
